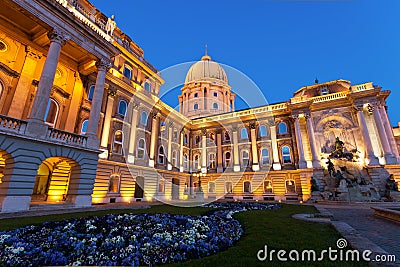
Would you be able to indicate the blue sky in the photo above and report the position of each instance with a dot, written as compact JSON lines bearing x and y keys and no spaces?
{"x":281,"y":45}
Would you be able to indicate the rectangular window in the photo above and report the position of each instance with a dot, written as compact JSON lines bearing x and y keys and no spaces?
{"x":128,"y":72}
{"x":211,"y":187}
{"x":267,"y":187}
{"x":161,"y":186}
{"x":228,"y":187}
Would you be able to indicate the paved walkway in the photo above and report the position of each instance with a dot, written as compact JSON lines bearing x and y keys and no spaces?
{"x":59,"y":209}
{"x":383,"y":233}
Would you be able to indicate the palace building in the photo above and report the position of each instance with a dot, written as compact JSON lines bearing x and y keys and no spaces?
{"x":81,"y":122}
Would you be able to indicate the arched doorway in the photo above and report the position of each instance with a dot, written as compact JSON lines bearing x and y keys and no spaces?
{"x":52,"y":180}
{"x":175,"y":188}
{"x":139,"y":186}
{"x":2,"y":165}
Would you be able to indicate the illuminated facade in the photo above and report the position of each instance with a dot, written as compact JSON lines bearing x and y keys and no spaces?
{"x":81,"y":121}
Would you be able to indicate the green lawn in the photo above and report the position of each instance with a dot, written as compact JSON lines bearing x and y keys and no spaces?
{"x":275,"y":228}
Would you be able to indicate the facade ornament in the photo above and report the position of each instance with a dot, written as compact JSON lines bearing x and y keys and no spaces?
{"x":203,"y":132}
{"x":307,"y":115}
{"x":135,"y":105}
{"x":252,"y":125}
{"x":35,"y":83}
{"x":58,"y":36}
{"x":110,"y":26}
{"x":295,"y":116}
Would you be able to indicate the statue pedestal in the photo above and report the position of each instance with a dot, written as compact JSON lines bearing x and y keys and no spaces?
{"x":199,"y":196}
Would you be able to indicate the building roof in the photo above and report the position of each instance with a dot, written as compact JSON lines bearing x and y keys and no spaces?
{"x":206,"y":70}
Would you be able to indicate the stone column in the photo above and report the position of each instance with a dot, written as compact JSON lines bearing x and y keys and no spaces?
{"x":389,"y":157}
{"x":389,"y":132}
{"x":94,"y":117}
{"x":107,"y":119}
{"x":180,"y":104}
{"x":299,"y":142}
{"x":204,"y":151}
{"x":219,"y":152}
{"x":132,"y":135}
{"x":254,"y":152}
{"x":181,"y":153}
{"x":233,"y":104}
{"x":373,"y":160}
{"x":236,"y":164}
{"x":36,"y":118}
{"x":169,"y":152}
{"x":275,"y":153}
{"x":153,"y":141}
{"x":19,"y":101}
{"x":311,"y":135}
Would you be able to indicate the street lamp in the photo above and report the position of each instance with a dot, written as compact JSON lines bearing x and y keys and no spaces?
{"x":199,"y":175}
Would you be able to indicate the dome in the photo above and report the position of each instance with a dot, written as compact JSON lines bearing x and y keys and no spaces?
{"x":206,"y":70}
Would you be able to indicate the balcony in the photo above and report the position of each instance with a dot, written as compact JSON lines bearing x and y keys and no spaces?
{"x":16,"y":127}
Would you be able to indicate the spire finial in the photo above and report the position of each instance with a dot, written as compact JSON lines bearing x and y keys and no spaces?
{"x":206,"y":56}
{"x":316,"y":80}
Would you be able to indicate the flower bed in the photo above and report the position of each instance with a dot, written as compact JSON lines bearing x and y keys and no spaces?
{"x":128,"y":239}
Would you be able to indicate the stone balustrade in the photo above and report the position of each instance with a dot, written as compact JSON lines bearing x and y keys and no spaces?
{"x":66,"y":137}
{"x":329,"y":97}
{"x":9,"y":124}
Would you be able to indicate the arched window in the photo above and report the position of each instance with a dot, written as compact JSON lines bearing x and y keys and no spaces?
{"x":143,"y":118}
{"x":118,"y":141}
{"x":264,"y":157}
{"x":196,"y":162}
{"x":84,"y":126}
{"x":196,"y":106}
{"x":282,"y":128}
{"x":1,"y":88}
{"x":128,"y":72}
{"x":290,"y":186}
{"x":175,"y":134}
{"x":286,"y":156}
{"x":161,"y":155}
{"x":90,"y":92}
{"x":245,"y":159}
{"x":141,"y":149}
{"x":268,"y":186}
{"x":215,"y":106}
{"x":243,"y":133}
{"x":197,"y":140}
{"x":147,"y":86}
{"x":211,"y":161}
{"x":51,"y":114}
{"x":262,"y":131}
{"x":227,"y":136}
{"x":196,"y":95}
{"x":227,"y":159}
{"x":247,"y":187}
{"x":122,"y":106}
{"x":185,"y":162}
{"x":228,"y":187}
{"x":174,"y":159}
{"x":211,"y":187}
{"x":113,"y":183}
{"x":215,"y":94}
{"x":185,"y":139}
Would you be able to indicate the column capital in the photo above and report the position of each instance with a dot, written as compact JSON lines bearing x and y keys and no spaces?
{"x":295,"y":116}
{"x":135,"y":105}
{"x":370,"y":108}
{"x":103,"y":64}
{"x":252,"y":125}
{"x":358,"y":107}
{"x":111,"y":92}
{"x":58,"y":36}
{"x":307,"y":115}
{"x":32,"y":53}
{"x":203,"y":132}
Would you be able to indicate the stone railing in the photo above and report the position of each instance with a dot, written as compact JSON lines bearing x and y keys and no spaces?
{"x":85,"y":17}
{"x":253,"y":111}
{"x":12,"y":125}
{"x":66,"y":137}
{"x":329,"y":97}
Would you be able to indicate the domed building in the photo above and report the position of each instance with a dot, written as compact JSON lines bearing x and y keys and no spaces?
{"x":206,"y":91}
